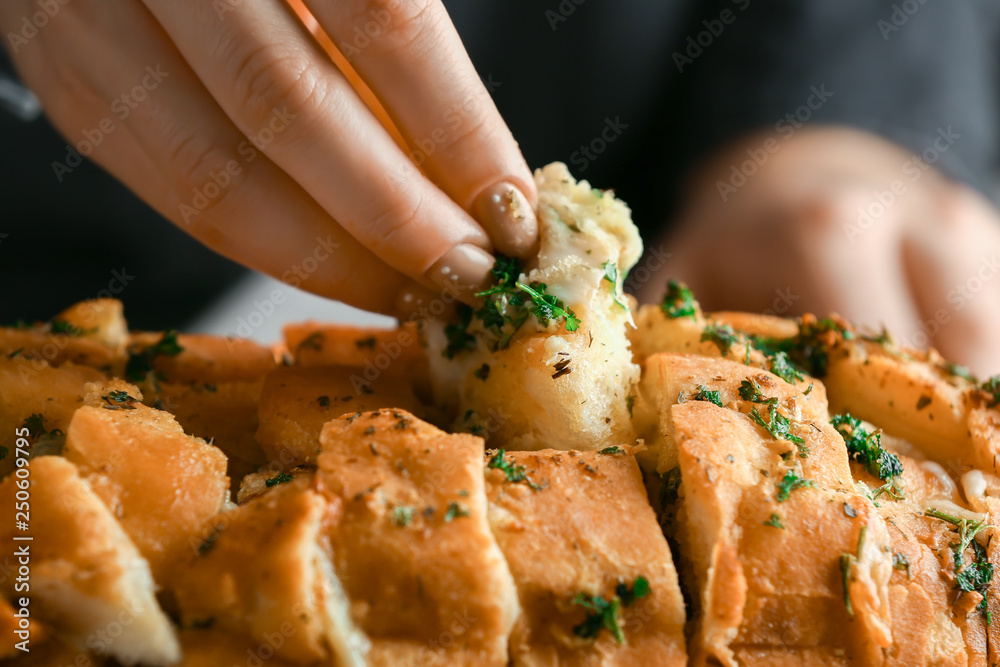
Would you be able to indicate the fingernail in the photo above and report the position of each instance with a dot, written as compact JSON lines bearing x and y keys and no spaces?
{"x":462,"y":271}
{"x":415,"y":302}
{"x":508,"y":218}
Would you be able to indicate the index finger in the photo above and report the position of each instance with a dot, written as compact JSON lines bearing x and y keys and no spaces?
{"x":410,"y":54}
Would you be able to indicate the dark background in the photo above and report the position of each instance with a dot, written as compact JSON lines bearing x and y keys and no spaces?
{"x":560,"y":71}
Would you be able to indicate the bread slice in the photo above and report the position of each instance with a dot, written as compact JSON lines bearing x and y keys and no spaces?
{"x":776,"y":568}
{"x":42,"y":396}
{"x":297,"y":401}
{"x":579,"y":524}
{"x":672,"y":377}
{"x":427,"y":582}
{"x":161,"y":483}
{"x":549,"y":384}
{"x":261,"y":572}
{"x":89,"y":582}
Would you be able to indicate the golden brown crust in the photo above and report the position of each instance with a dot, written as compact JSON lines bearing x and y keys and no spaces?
{"x":413,"y":546}
{"x":791,"y":575}
{"x":206,"y":359}
{"x":259,"y":571}
{"x":587,"y":529}
{"x":28,"y":388}
{"x":296,"y":402}
{"x":161,"y":483}
{"x":85,"y":572}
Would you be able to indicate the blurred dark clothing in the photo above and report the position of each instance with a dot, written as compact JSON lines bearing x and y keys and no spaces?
{"x":630,"y":94}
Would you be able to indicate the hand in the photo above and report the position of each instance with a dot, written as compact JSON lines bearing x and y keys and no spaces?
{"x":230,"y":120}
{"x":819,"y":227}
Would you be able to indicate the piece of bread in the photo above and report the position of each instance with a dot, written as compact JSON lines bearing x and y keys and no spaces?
{"x":669,"y":376}
{"x":911,"y":398}
{"x":161,"y":483}
{"x":770,"y":565}
{"x":86,"y":575}
{"x":261,"y":572}
{"x":42,"y":397}
{"x":89,"y":333}
{"x":578,"y":524}
{"x":296,"y":401}
{"x":552,"y":384}
{"x":427,"y":582}
{"x":222,"y":413}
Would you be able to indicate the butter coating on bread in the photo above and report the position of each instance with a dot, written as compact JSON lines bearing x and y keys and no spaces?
{"x":87,"y":576}
{"x":261,"y":571}
{"x":426,"y":580}
{"x":552,"y":384}
{"x":583,"y":527}
{"x":161,"y":483}
{"x":770,"y":564}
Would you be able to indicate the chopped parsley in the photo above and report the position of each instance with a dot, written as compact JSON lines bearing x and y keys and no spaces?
{"x":455,"y":510}
{"x":548,"y":307}
{"x":458,"y":335}
{"x":722,"y":335}
{"x":606,"y":614}
{"x":750,"y":391}
{"x":790,"y":483}
{"x":68,"y":329}
{"x":782,"y":367}
{"x":630,"y":403}
{"x":35,"y":423}
{"x":847,"y":564}
{"x":810,"y":348}
{"x":775,"y":521}
{"x":779,"y":427}
{"x":140,"y":363}
{"x":611,"y":275}
{"x":866,"y":448}
{"x":3,"y":453}
{"x":280,"y":478}
{"x":118,"y":399}
{"x":992,"y":386}
{"x":670,"y":487}
{"x":977,"y":575}
{"x":613,"y":449}
{"x":513,"y":472}
{"x":482,"y":372}
{"x":959,"y":371}
{"x":510,"y":302}
{"x":679,"y":301}
{"x":323,"y":401}
{"x":706,"y":394}
{"x":402,"y":515}
{"x":629,"y":594}
{"x":901,"y":562}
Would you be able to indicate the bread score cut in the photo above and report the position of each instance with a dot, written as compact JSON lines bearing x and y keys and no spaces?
{"x":546,"y":355}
